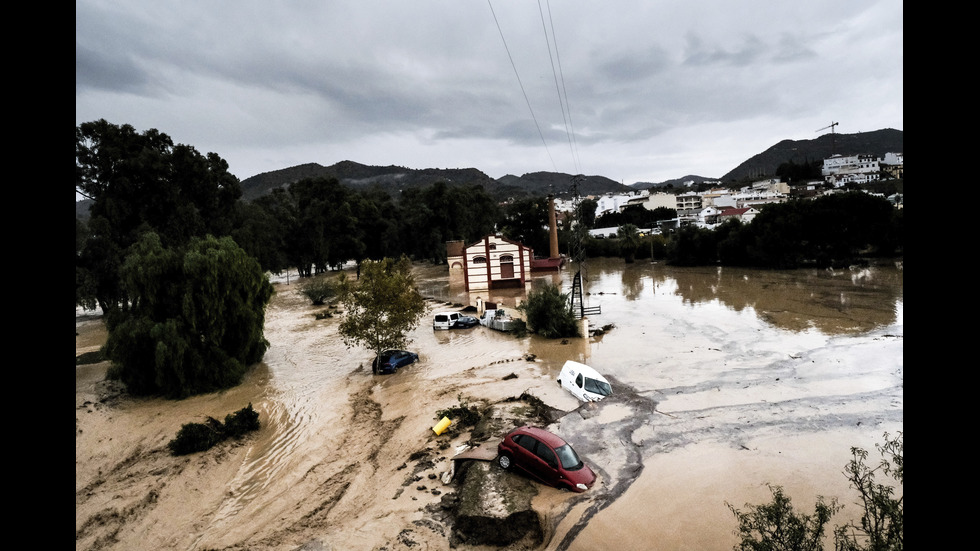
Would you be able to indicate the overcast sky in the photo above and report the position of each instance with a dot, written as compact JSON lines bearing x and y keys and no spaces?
{"x":634,"y":90}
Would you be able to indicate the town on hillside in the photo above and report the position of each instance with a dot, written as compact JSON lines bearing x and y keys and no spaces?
{"x":707,"y":209}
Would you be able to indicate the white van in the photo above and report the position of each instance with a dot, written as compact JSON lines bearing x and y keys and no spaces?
{"x":445,"y":320}
{"x":583,"y":382}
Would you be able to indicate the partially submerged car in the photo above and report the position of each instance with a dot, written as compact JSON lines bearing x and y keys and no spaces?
{"x":390,"y":360}
{"x":453,"y":320}
{"x":545,"y":457}
{"x":583,"y":382}
{"x":497,"y":318}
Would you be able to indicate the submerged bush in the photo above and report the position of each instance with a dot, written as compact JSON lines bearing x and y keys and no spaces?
{"x":318,"y":290}
{"x":549,"y":314}
{"x":242,"y":421}
{"x":198,"y":437}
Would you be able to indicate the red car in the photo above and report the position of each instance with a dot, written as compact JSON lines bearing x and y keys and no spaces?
{"x":544,"y":457}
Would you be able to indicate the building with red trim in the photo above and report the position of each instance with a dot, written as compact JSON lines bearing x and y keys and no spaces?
{"x":491,"y":263}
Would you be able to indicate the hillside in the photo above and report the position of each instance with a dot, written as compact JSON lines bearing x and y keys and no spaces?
{"x":675,"y":183}
{"x":761,"y":165}
{"x":765,"y":164}
{"x":392,"y":179}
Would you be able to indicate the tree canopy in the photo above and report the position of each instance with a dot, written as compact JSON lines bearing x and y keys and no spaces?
{"x":197,"y":317}
{"x":381,"y":306}
{"x":142,"y":182}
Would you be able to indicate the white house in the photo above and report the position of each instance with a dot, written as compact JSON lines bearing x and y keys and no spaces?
{"x":745,"y":214}
{"x":859,"y":169}
{"x":614,"y":202}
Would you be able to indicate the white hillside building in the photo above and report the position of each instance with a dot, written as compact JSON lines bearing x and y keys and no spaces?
{"x":858,"y":169}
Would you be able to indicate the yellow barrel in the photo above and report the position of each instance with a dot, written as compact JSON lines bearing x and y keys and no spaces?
{"x":441,"y":426}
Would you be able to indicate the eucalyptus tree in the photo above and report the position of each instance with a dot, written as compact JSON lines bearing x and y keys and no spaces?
{"x":143,"y":182}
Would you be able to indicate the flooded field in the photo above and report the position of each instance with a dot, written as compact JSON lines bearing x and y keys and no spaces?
{"x":724,"y":380}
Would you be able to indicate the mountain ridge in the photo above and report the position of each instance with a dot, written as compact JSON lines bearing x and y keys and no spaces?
{"x":394,"y":178}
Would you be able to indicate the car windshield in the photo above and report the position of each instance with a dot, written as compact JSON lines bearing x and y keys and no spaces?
{"x":598,"y":387}
{"x":569,"y":459}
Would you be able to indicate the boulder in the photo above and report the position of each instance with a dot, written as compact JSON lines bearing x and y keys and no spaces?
{"x":494,"y":507}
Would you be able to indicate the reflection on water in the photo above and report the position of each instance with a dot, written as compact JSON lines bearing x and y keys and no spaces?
{"x":845,"y":301}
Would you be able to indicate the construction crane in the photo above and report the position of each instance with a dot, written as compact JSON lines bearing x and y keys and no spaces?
{"x":833,"y":138}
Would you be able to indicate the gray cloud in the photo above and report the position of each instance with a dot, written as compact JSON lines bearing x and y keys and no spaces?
{"x":417,"y":84}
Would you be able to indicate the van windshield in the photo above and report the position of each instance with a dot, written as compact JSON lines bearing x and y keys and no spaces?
{"x":598,"y":387}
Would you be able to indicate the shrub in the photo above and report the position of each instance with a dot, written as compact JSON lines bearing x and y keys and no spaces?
{"x":317,"y":290}
{"x":775,"y":526}
{"x":549,"y":314}
{"x":198,"y":437}
{"x":242,"y":421}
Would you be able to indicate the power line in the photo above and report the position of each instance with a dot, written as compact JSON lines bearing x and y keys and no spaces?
{"x":522,"y":86}
{"x":569,"y":127}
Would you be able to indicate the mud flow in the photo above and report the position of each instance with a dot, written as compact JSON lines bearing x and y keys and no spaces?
{"x":723,"y":380}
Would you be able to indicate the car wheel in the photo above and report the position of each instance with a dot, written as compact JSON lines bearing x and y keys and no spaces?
{"x":504,"y":461}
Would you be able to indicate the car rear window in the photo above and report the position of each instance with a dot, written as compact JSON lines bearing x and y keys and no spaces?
{"x":442,"y":318}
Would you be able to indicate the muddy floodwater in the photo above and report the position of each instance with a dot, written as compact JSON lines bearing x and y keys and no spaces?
{"x":725,"y":380}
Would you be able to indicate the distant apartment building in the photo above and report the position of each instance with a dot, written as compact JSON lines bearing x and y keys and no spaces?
{"x":839,"y":170}
{"x":893,"y":164}
{"x":653,"y":201}
{"x":614,"y":202}
{"x":749,"y":198}
{"x":718,"y":197}
{"x":689,"y":201}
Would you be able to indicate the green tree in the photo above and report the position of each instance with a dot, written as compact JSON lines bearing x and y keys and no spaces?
{"x":262,"y":234}
{"x":381,"y":306}
{"x":629,"y":241}
{"x":196,"y":320}
{"x":882,"y":520}
{"x":139,"y":183}
{"x":548,"y":313}
{"x":692,"y":246}
{"x":775,"y":526}
{"x":585,"y":212}
{"x":526,"y":221}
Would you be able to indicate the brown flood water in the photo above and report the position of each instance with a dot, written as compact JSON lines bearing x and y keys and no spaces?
{"x":724,"y":380}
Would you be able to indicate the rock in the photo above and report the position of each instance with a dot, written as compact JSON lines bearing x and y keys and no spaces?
{"x":494,"y":507}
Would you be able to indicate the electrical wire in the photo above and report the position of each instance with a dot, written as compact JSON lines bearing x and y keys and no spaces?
{"x":562,"y":91}
{"x":522,"y":87}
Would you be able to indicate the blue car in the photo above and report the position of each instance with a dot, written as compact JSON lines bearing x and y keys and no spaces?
{"x":391,"y":360}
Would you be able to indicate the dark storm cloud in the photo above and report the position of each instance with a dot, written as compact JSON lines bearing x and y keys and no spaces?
{"x":649,"y":90}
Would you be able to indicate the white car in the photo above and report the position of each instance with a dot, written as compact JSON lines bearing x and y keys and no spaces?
{"x":583,"y":382}
{"x":453,"y":320}
{"x":445,"y":320}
